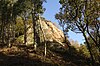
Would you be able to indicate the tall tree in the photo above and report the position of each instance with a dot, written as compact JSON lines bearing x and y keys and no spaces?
{"x":17,"y":8}
{"x":62,"y":23}
{"x":37,"y":9}
{"x":81,"y":16}
{"x":24,"y":18}
{"x":44,"y":37}
{"x":7,"y":26}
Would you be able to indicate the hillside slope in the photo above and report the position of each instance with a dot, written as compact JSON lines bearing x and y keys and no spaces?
{"x":19,"y":56}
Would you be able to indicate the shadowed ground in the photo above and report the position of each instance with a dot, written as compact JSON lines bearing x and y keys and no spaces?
{"x":20,"y":61}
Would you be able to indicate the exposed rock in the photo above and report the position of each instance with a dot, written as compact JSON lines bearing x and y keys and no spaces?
{"x":51,"y":32}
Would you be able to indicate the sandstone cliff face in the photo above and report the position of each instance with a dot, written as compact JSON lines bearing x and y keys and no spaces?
{"x":51,"y":32}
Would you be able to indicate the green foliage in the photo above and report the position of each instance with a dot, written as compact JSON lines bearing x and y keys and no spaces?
{"x":20,"y":39}
{"x":83,"y":51}
{"x":11,"y":25}
{"x":81,"y":16}
{"x":19,"y":27}
{"x":94,"y":49}
{"x":73,"y":50}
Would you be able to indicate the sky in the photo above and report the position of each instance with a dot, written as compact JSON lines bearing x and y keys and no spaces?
{"x":52,"y":7}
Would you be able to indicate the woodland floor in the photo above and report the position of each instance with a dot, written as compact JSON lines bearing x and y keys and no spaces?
{"x":16,"y":56}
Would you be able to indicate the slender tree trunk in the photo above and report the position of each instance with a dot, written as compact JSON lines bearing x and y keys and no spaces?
{"x":13,"y":19}
{"x":11,"y":38}
{"x":0,"y":33}
{"x":89,"y":48}
{"x":65,"y":39}
{"x":88,"y":45}
{"x":34,"y":25}
{"x":25,"y":30}
{"x":10,"y":35}
{"x":14,"y":26}
{"x":2,"y":29}
{"x":45,"y":45}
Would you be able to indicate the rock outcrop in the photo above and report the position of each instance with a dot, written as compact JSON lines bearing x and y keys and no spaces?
{"x":51,"y":32}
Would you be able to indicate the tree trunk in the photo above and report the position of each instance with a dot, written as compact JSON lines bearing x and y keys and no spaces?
{"x":25,"y":30}
{"x":34,"y":23}
{"x":14,"y":26}
{"x":89,"y":48}
{"x":88,"y":45}
{"x":45,"y":45}
{"x":10,"y":36}
{"x":2,"y":29}
{"x":65,"y":39}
